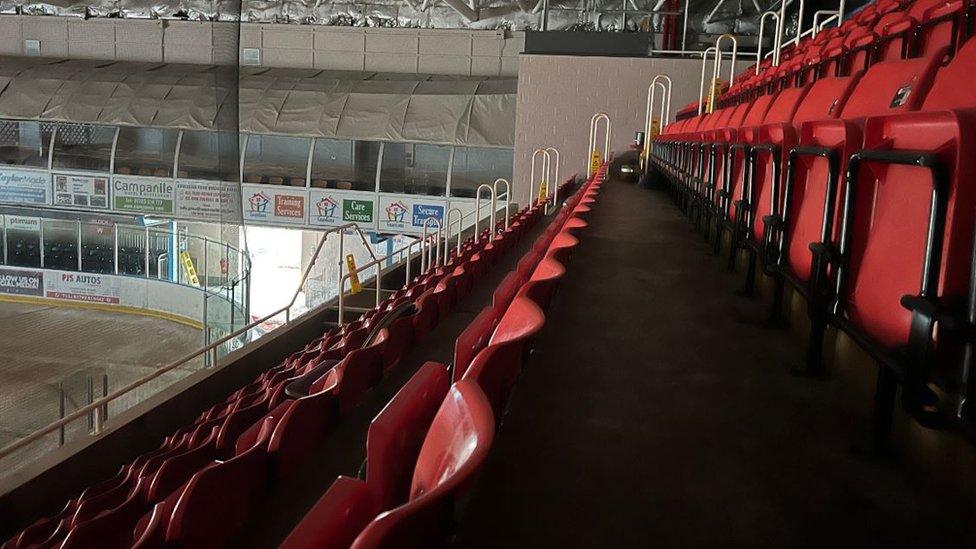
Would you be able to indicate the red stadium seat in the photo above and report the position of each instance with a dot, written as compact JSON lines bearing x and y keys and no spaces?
{"x":336,"y":518}
{"x":453,"y":451}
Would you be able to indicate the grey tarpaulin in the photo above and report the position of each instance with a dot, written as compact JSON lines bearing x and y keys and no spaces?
{"x":472,"y":111}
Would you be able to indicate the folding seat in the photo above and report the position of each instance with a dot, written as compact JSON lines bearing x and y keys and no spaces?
{"x":506,"y":290}
{"x":813,"y":174}
{"x":303,"y":423}
{"x":941,"y":25}
{"x":111,"y":529}
{"x":446,"y":293}
{"x":473,"y":339}
{"x":894,"y":31}
{"x":495,"y":368}
{"x":336,"y":518}
{"x":904,"y":271}
{"x":561,"y":248}
{"x":542,"y":283}
{"x":736,"y":143}
{"x":396,"y":434}
{"x":360,"y":370}
{"x":426,"y":316}
{"x":453,"y":451}
{"x":769,"y":145}
{"x":215,"y":502}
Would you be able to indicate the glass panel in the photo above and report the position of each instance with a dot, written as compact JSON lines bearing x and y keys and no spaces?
{"x":97,"y":242}
{"x":23,"y":248}
{"x":83,"y":147}
{"x":276,"y":160}
{"x":345,"y":164}
{"x":132,"y":246}
{"x":473,"y":167}
{"x":25,"y":143}
{"x":145,"y":151}
{"x":415,"y":169}
{"x":60,"y":245}
{"x":209,"y":155}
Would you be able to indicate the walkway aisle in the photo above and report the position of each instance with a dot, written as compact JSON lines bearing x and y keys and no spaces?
{"x":667,"y":416}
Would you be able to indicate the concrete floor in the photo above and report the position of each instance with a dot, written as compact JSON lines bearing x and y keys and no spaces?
{"x":44,"y":346}
{"x":657,"y":411}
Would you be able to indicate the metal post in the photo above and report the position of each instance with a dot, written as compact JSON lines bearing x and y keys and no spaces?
{"x":594,"y":125}
{"x":762,"y":30}
{"x":717,"y":66}
{"x":546,"y":162}
{"x":206,"y":255}
{"x":342,"y":241}
{"x":447,"y":236}
{"x":684,"y":29}
{"x":5,"y":243}
{"x":91,"y":398}
{"x":61,"y":405}
{"x":41,"y":242}
{"x":147,"y":252}
{"x":79,"y":245}
{"x":105,"y":394}
{"x":555,"y":179}
{"x":115,"y":251}
{"x":701,"y":86}
{"x":508,"y":195}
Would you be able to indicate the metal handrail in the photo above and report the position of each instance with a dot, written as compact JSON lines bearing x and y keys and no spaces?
{"x":447,"y":232}
{"x":424,"y":267}
{"x":555,"y":181}
{"x":96,"y":407}
{"x":762,"y":32}
{"x":665,"y":108}
{"x":717,"y":67}
{"x":508,"y":204}
{"x":477,"y":209}
{"x":594,"y":126}
{"x":701,"y":86}
{"x":546,"y":163}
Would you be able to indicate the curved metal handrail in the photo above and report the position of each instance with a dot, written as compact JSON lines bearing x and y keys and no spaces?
{"x":717,"y":67}
{"x":508,"y":203}
{"x":555,"y":180}
{"x":762,"y":32}
{"x":546,"y":163}
{"x":701,"y":86}
{"x":447,"y":232}
{"x":477,"y":209}
{"x":594,"y":128}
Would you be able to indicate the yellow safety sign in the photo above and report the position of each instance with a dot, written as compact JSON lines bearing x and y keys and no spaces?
{"x":543,"y":190}
{"x":713,"y":94}
{"x":354,"y":285}
{"x":595,"y":161}
{"x":188,"y":268}
{"x":655,"y":128}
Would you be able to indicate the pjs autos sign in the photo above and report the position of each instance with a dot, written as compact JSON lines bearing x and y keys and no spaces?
{"x":90,"y":288}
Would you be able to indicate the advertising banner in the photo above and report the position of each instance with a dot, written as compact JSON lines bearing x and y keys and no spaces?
{"x":22,"y":223}
{"x":21,"y":281}
{"x":278,"y":205}
{"x":86,"y":191}
{"x":330,"y":207}
{"x":91,"y":288}
{"x":151,"y":195}
{"x":407,"y":214}
{"x":25,"y":187}
{"x":208,"y":200}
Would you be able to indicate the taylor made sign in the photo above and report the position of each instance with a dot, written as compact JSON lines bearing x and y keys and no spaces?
{"x":21,"y":282}
{"x":25,"y":187}
{"x":143,"y":195}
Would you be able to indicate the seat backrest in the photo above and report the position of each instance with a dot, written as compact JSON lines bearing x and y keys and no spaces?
{"x":453,"y":451}
{"x":497,"y":366}
{"x":893,"y":30}
{"x":783,"y":108}
{"x":543,"y":281}
{"x":473,"y":339}
{"x":397,"y":432}
{"x":940,"y":25}
{"x":218,"y":499}
{"x":336,"y":518}
{"x":506,"y":289}
{"x":757,"y":113}
{"x":825,"y":99}
{"x":951,"y":90}
{"x":891,"y":87}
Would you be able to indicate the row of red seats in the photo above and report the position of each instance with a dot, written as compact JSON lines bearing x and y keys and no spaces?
{"x":435,"y":434}
{"x":857,"y":191}
{"x":198,"y":486}
{"x":885,"y":30}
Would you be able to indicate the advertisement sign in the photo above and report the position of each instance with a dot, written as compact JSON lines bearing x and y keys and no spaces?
{"x":91,"y":288}
{"x":401,"y":214}
{"x":328,"y":207}
{"x":207,"y":200}
{"x":24,"y":187}
{"x":21,"y":282}
{"x":274,"y":205}
{"x":86,"y":191}
{"x":22,"y":223}
{"x":142,"y":194}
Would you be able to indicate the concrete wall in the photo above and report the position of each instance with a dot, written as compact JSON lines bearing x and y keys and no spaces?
{"x":557,"y":95}
{"x":440,"y":51}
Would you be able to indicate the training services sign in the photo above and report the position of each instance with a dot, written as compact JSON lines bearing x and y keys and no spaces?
{"x":142,"y":194}
{"x":269,"y":204}
{"x":330,"y":208}
{"x":24,"y":187}
{"x":405,"y":214}
{"x":21,"y":282}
